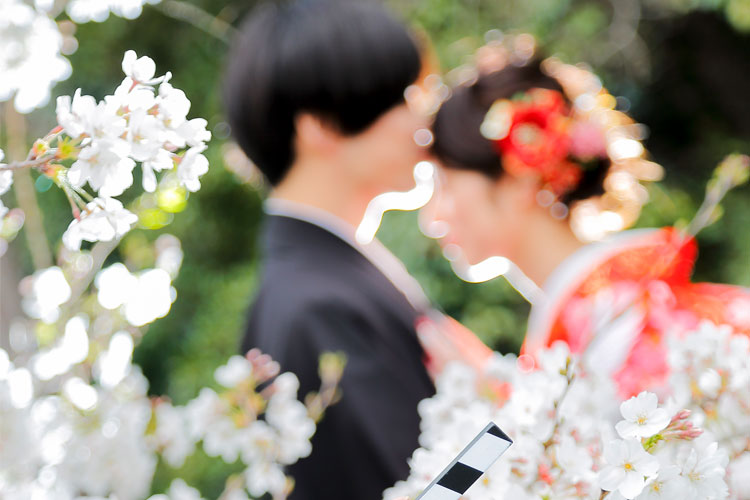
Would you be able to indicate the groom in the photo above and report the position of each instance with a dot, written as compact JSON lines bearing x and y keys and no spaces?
{"x":315,"y":96}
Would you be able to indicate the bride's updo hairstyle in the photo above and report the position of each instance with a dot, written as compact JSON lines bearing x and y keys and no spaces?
{"x":512,"y":113}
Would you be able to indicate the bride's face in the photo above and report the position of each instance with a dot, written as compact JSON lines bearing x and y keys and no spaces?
{"x":484,"y":217}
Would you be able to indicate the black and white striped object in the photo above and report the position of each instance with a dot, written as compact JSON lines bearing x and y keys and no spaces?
{"x":469,"y":465}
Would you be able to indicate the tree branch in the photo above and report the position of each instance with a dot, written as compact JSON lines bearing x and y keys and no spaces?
{"x":199,"y":18}
{"x":41,"y":256}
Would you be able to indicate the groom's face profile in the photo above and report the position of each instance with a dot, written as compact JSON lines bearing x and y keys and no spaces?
{"x":385,"y":154}
{"x":381,"y":157}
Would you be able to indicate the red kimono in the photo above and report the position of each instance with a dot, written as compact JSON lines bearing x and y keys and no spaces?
{"x":616,"y":301}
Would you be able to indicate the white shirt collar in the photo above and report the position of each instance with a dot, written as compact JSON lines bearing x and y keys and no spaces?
{"x":312,"y":215}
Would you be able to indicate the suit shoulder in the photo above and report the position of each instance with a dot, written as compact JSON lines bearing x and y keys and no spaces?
{"x":280,"y":313}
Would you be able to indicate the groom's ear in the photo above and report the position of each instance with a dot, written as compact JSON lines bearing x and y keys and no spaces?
{"x":314,"y":135}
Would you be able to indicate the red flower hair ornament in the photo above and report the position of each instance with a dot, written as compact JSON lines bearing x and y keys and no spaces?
{"x":535,"y":135}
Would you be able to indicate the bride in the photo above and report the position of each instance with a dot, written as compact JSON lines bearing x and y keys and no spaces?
{"x":535,"y":164}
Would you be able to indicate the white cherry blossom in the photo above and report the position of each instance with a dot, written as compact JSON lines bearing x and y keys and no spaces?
{"x":667,"y":486}
{"x":143,"y":297}
{"x":116,"y":285}
{"x":6,"y":176}
{"x":105,"y":220}
{"x":75,"y":114}
{"x":739,"y":479}
{"x":106,"y":123}
{"x":163,"y":160}
{"x":114,"y":364}
{"x":145,"y":135}
{"x":574,"y":459}
{"x":140,"y":69}
{"x":236,"y":370}
{"x":152,"y":298}
{"x":171,"y":434}
{"x":30,"y":62}
{"x":71,"y":350}
{"x":703,"y":467}
{"x":129,"y":95}
{"x":129,"y":9}
{"x":173,"y":105}
{"x":221,"y":440}
{"x":83,"y":11}
{"x":6,"y":180}
{"x":628,"y":466}
{"x":265,"y":477}
{"x":116,"y":428}
{"x":191,"y":167}
{"x":259,"y":443}
{"x":203,"y":412}
{"x":105,"y":165}
{"x":193,"y":133}
{"x":642,"y":417}
{"x":49,"y":290}
{"x":179,"y":490}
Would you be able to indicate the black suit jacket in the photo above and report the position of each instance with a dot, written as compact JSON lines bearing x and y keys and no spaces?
{"x":319,"y":294}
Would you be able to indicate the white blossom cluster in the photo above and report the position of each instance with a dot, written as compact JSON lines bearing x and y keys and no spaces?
{"x":76,"y":421}
{"x":70,"y":433}
{"x":75,"y":409}
{"x":144,"y":121}
{"x":137,"y":298}
{"x":570,"y":441}
{"x":83,"y":11}
{"x":84,"y":439}
{"x":30,"y":59}
{"x":6,"y":181}
{"x":711,"y":377}
{"x":228,"y":425}
{"x":141,"y":297}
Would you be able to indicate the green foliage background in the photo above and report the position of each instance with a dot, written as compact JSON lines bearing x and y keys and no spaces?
{"x":683,"y":65}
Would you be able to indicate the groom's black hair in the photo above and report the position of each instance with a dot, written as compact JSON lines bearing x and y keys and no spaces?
{"x":347,"y":61}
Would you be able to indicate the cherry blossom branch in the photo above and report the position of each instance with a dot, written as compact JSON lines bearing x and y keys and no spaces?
{"x":233,"y":483}
{"x":624,"y":27}
{"x":331,"y":368}
{"x":99,"y":253}
{"x":569,"y":377}
{"x":19,"y":165}
{"x":36,"y":239}
{"x":197,"y":17}
{"x":733,"y":171}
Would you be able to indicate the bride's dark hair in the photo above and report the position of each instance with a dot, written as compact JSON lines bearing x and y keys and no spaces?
{"x":459,"y":144}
